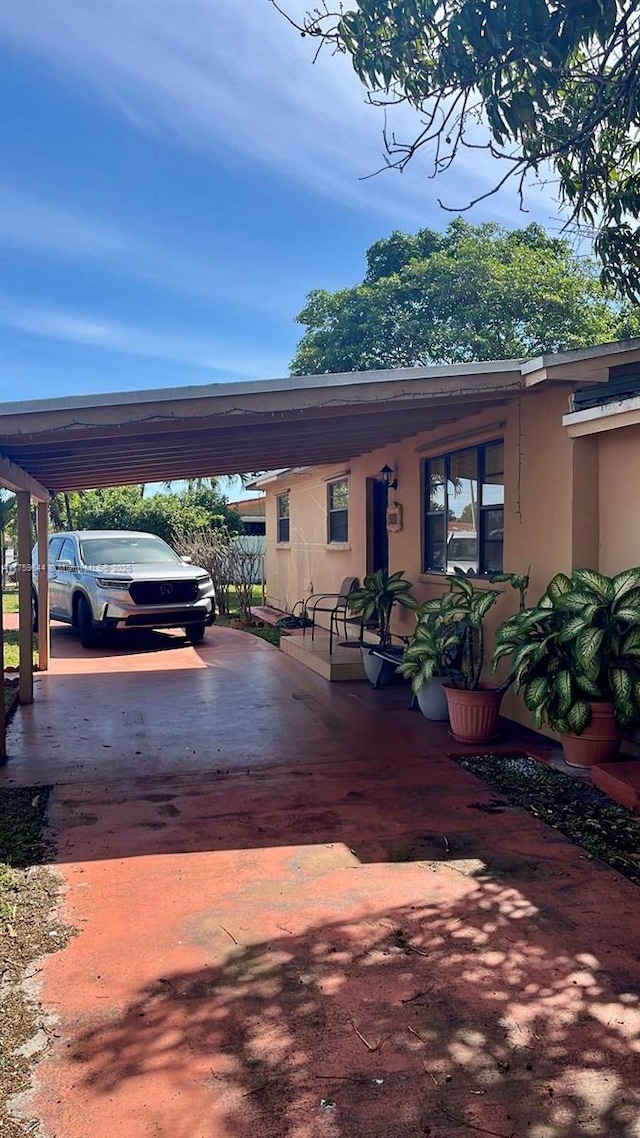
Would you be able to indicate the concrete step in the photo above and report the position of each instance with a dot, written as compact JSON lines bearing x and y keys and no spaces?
{"x":620,"y":780}
{"x":341,"y":664}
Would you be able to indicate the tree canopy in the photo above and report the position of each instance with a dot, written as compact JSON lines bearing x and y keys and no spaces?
{"x":473,"y":293}
{"x":167,"y":515}
{"x":542,"y":85}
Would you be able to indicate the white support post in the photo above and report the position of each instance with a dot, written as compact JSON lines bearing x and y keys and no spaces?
{"x":25,"y":615}
{"x":44,"y":622}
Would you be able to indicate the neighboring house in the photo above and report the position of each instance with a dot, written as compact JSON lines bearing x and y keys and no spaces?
{"x":545,"y":475}
{"x":252,"y":512}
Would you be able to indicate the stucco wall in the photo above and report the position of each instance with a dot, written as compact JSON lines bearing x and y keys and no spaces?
{"x":539,"y":496}
{"x":565,"y":505}
{"x":619,"y":486}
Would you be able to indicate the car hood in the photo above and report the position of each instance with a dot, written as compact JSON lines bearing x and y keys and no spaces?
{"x":153,"y":571}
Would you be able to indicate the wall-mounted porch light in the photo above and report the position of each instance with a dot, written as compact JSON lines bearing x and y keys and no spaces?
{"x":386,"y":473}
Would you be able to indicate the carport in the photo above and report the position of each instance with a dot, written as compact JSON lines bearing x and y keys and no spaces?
{"x":83,"y":443}
{"x":189,"y":432}
{"x":297,"y":916}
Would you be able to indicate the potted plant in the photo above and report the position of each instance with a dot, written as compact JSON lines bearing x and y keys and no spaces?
{"x":474,"y":706}
{"x":576,"y":658}
{"x":447,"y":647}
{"x":429,"y":657}
{"x":374,"y":602}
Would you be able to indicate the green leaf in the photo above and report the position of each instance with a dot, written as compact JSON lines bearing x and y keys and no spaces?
{"x":536,"y":694}
{"x":558,"y":587}
{"x":462,"y":585}
{"x":579,"y":716}
{"x":620,"y":683}
{"x":623,"y":583}
{"x":587,"y":647}
{"x":483,"y":603}
{"x":588,"y":687}
{"x":631,"y":644}
{"x":572,"y":628}
{"x":574,"y":601}
{"x":564,"y":690}
{"x":600,"y":585}
{"x":626,"y":713}
{"x":629,"y":613}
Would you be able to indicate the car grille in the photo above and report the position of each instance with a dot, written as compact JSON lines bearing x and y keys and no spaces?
{"x":179,"y":617}
{"x":163,"y":592}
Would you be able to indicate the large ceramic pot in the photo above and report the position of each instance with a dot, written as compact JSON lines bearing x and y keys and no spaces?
{"x":380,"y":673}
{"x":599,"y":742}
{"x":432,"y":700}
{"x":474,"y":715}
{"x":373,"y":666}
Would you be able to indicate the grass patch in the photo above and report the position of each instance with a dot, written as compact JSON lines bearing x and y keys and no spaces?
{"x":10,"y":600}
{"x":12,"y":650}
{"x":28,"y":930}
{"x":266,"y":632}
{"x":263,"y":631}
{"x":576,"y":809}
{"x":256,"y":595}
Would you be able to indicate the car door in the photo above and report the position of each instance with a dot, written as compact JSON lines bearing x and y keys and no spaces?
{"x":55,"y":545}
{"x":62,"y":580}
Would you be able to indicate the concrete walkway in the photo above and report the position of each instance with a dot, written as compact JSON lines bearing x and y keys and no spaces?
{"x":297,"y":921}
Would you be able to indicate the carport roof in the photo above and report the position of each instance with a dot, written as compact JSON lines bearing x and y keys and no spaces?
{"x":187,"y":432}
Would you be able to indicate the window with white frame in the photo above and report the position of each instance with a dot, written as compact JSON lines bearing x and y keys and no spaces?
{"x":464,"y":511}
{"x":283,"y":517}
{"x":338,"y":510}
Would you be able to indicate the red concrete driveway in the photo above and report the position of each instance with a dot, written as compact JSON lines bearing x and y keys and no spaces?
{"x":295,"y":922}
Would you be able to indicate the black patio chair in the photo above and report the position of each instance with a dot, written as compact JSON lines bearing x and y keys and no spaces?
{"x":335,"y":604}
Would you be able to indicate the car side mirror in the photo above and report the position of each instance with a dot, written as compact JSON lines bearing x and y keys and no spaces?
{"x":187,"y":559}
{"x":64,"y":566}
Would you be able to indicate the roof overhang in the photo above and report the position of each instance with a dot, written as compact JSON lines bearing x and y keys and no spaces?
{"x":75,"y":444}
{"x":604,"y":417}
{"x":583,"y":365}
{"x":190,"y":432}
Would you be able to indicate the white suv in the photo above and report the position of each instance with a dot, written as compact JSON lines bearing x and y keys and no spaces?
{"x":107,"y":579}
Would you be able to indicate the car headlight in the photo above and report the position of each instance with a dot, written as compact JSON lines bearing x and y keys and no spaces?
{"x":204,"y":583}
{"x":112,"y":583}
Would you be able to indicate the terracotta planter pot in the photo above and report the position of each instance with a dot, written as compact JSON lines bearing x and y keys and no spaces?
{"x":474,"y":714}
{"x":599,"y":743}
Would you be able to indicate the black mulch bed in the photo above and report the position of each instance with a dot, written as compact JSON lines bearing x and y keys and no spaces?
{"x":577,"y":809}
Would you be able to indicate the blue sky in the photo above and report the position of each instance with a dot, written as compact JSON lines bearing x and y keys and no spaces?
{"x":176,"y":176}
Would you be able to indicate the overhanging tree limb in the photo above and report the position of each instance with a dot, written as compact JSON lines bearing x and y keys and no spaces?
{"x":552,"y":83}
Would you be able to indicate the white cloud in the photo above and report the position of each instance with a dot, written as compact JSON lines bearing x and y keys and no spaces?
{"x":94,"y":331}
{"x":28,"y":223}
{"x":212,"y":72}
{"x":34,"y":224}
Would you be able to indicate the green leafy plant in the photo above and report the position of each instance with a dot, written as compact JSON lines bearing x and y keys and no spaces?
{"x":580,"y":644}
{"x":376,"y":598}
{"x":434,"y":648}
{"x":449,"y":635}
{"x":518,"y":581}
{"x":465,"y":607}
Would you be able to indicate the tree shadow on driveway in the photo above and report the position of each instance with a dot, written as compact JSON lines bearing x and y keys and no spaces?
{"x":445,"y":1020}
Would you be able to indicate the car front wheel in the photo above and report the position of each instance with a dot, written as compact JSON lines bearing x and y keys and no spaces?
{"x":195,"y":632}
{"x":88,"y":634}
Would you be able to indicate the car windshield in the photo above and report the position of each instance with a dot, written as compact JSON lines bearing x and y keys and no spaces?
{"x":125,"y":551}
